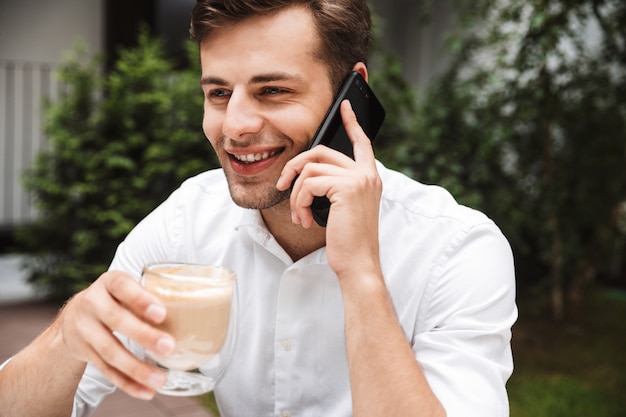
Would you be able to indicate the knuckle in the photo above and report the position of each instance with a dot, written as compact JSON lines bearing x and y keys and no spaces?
{"x":115,"y":376}
{"x":109,"y":350}
{"x":117,"y":282}
{"x":120,"y":380}
{"x":130,"y":375}
{"x":139,"y":371}
{"x":148,"y":336}
{"x":376,"y":182}
{"x":114,"y":319}
{"x":363,"y":182}
{"x":306,"y":172}
{"x":127,"y":291}
{"x":87,"y":298}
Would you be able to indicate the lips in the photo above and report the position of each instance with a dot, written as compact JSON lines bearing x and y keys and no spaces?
{"x":253,"y":163}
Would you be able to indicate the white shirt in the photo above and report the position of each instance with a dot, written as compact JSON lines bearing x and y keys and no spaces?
{"x":448,"y":268}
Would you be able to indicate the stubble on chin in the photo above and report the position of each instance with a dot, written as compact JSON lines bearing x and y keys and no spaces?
{"x":256,"y":198}
{"x":252,"y":193}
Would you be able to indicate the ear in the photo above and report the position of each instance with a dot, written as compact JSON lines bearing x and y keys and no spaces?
{"x":361,"y":69}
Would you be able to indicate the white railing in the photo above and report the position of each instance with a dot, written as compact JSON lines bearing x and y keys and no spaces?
{"x":23,"y":88}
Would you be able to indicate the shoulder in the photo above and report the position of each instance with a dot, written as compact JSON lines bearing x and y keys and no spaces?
{"x":422,"y":203}
{"x":452,"y":251}
{"x":425,"y":223}
{"x":185,"y":224}
{"x":209,"y":187}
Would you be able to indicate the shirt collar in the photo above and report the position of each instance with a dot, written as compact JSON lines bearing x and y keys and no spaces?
{"x":252,"y":222}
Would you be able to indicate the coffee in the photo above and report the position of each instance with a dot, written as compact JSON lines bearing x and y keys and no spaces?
{"x":198,"y":303}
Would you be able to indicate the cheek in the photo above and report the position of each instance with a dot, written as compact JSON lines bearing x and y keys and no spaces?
{"x":211,"y":127}
{"x":299,"y":124}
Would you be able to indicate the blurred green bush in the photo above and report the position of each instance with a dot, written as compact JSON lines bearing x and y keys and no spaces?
{"x":529,"y":125}
{"x":118,"y":144}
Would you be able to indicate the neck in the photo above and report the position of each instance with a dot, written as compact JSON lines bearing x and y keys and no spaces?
{"x":295,"y":240}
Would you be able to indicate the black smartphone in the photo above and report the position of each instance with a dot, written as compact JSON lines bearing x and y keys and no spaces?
{"x":369,"y":113}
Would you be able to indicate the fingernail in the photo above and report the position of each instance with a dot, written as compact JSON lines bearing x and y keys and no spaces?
{"x":156,"y":380}
{"x":165,"y":345}
{"x":156,"y":312}
{"x":280,"y":184}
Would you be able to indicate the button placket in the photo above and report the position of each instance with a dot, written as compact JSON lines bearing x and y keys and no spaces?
{"x":285,"y":354}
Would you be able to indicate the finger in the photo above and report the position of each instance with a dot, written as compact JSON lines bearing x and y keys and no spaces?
{"x":126,"y":290}
{"x":88,"y":322}
{"x":316,"y":180}
{"x":362,"y":145}
{"x":287,"y":175}
{"x":320,"y":153}
{"x":141,"y":332}
{"x":329,"y":171}
{"x":105,"y":307}
{"x":301,"y":208}
{"x":124,"y":370}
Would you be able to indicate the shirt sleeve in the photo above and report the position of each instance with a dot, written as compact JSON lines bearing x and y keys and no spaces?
{"x":93,"y":388}
{"x":464,"y":345}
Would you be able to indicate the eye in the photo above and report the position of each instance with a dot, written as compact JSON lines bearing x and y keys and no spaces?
{"x":219,"y":93}
{"x":272,"y":91}
{"x":218,"y":96}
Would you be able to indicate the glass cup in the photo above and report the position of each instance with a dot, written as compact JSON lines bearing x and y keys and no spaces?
{"x":201,"y":316}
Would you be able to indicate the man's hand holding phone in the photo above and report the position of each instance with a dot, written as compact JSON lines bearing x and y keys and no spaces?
{"x":369,"y":115}
{"x":337,"y":185}
{"x":353,"y":188}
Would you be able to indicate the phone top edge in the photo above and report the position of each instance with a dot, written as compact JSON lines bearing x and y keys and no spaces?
{"x":347,"y":85}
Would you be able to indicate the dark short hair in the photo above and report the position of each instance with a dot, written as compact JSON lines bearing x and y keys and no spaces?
{"x":344,"y":26}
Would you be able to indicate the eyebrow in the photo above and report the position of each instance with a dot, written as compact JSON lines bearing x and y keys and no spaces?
{"x":212,"y":80}
{"x":257,"y":79}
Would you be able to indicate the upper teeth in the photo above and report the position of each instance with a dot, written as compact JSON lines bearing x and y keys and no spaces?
{"x":254,"y":157}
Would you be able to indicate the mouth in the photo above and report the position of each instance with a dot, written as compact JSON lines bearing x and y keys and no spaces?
{"x":252,"y":158}
{"x":254,"y":163}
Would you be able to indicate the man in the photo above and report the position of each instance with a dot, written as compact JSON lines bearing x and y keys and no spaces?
{"x":402,"y":305}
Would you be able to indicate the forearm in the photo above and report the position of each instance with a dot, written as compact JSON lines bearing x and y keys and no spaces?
{"x":385,"y":377}
{"x":41,"y":380}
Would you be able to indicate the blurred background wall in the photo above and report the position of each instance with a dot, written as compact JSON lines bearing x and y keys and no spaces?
{"x":34,"y":38}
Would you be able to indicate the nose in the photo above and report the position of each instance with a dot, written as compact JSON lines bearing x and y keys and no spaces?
{"x":242,"y":117}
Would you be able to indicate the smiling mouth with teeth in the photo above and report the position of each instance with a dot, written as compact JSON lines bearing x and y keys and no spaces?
{"x":254,"y":157}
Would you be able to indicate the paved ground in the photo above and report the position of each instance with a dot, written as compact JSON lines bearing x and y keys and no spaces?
{"x":23,"y":317}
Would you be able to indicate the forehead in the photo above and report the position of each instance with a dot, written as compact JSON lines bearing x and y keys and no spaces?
{"x":287,"y":41}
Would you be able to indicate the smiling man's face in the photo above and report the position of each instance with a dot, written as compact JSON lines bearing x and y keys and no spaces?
{"x":265,"y":95}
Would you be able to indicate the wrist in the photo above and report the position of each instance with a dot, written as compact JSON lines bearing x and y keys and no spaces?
{"x":363,"y":285}
{"x":55,"y":339}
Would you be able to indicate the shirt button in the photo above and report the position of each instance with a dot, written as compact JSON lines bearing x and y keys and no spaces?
{"x":285,"y":414}
{"x":286,"y":346}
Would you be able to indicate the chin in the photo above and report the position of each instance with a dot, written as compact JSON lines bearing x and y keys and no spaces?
{"x":259,"y":200}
